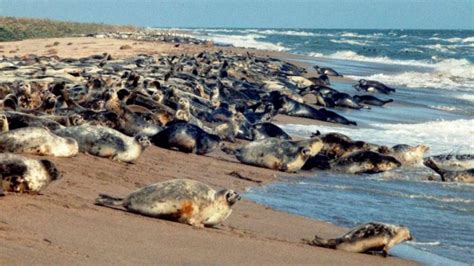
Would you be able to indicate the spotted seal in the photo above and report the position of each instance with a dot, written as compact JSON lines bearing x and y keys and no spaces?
{"x":21,"y":174}
{"x":369,"y":237}
{"x":182,"y":200}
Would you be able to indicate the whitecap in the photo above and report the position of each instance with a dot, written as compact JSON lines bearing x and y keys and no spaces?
{"x":245,"y":41}
{"x":352,"y":42}
{"x":449,"y":134}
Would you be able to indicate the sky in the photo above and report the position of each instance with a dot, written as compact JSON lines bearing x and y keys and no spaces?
{"x":358,"y":14}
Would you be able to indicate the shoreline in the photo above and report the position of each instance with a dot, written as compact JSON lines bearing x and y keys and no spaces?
{"x":68,"y":228}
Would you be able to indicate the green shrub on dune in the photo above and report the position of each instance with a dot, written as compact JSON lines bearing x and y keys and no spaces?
{"x":14,"y":29}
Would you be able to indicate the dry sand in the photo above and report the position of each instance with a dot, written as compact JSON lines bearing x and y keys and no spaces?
{"x":63,"y":226}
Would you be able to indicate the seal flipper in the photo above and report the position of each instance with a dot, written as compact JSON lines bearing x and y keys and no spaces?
{"x":431,"y":164}
{"x":106,"y":200}
{"x":321,"y":242}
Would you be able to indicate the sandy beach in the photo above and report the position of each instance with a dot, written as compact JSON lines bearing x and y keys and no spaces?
{"x":63,"y":226}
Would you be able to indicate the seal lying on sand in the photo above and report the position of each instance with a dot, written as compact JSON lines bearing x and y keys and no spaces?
{"x":368,"y":162}
{"x":21,"y":174}
{"x":268,"y":130}
{"x":106,"y":142}
{"x":18,"y":120}
{"x":186,"y":138}
{"x":183,"y":200}
{"x":37,"y":140}
{"x":466,"y":175}
{"x":294,"y":108}
{"x":369,"y":237}
{"x":277,"y":154}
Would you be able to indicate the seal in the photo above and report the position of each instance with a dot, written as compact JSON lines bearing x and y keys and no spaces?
{"x":277,"y":154}
{"x":326,"y":71}
{"x":4,"y":123}
{"x":268,"y":130}
{"x":370,"y":100}
{"x":452,"y":161}
{"x":406,"y":154}
{"x":337,"y":145}
{"x":367,"y":162}
{"x":106,"y":142}
{"x":182,"y":200}
{"x":465,"y":175}
{"x":187,"y":138}
{"x":369,"y":237}
{"x":21,"y":174}
{"x":293,"y":108}
{"x":39,"y":141}
{"x":18,"y":120}
{"x":373,"y":86}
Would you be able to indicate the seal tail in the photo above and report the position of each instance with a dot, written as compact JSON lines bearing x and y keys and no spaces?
{"x":106,"y":200}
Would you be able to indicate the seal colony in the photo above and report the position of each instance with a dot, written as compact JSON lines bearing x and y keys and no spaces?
{"x":115,"y":108}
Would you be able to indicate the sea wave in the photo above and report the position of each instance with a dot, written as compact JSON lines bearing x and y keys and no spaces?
{"x":245,"y":41}
{"x":415,"y":243}
{"x":454,"y":39}
{"x":450,"y":135}
{"x":441,"y":48}
{"x":414,"y":79}
{"x":466,"y":97}
{"x":447,"y":73}
{"x":352,"y":42}
{"x":444,"y":108}
{"x":286,"y":32}
{"x":356,"y":35}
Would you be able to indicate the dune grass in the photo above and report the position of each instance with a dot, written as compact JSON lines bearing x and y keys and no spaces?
{"x":14,"y":29}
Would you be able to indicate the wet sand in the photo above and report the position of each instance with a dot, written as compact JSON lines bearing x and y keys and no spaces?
{"x":63,"y":226}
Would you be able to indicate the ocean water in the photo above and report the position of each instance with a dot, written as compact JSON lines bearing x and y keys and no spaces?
{"x":433,"y":72}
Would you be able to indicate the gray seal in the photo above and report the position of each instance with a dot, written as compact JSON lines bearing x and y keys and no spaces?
{"x":369,"y":237}
{"x":182,"y":200}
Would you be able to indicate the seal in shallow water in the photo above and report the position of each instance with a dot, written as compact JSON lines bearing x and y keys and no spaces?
{"x":373,"y":86}
{"x":37,"y":140}
{"x":368,"y":162}
{"x":406,"y":154}
{"x":183,"y":200}
{"x":369,"y":237}
{"x":452,"y":161}
{"x":326,"y":71}
{"x":21,"y":174}
{"x":465,"y":175}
